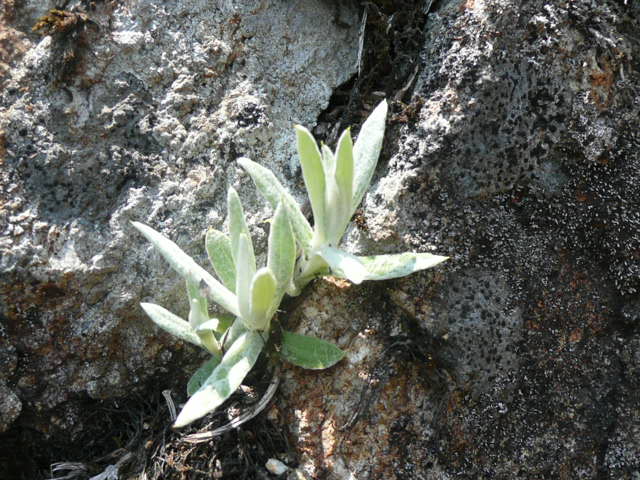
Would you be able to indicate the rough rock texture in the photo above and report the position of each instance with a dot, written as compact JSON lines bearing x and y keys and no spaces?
{"x":516,"y":153}
{"x":137,"y":112}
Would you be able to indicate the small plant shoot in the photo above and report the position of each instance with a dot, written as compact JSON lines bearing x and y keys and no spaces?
{"x":297,"y":253}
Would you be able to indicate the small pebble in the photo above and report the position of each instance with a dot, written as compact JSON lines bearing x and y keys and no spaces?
{"x":276,"y":466}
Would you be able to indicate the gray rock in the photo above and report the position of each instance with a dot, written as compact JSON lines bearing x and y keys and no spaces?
{"x":145,"y":125}
{"x":516,"y":154}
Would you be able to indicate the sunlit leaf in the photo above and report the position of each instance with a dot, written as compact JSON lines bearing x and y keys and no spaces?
{"x":171,"y":323}
{"x":313,"y":174}
{"x":224,"y":380}
{"x":263,"y":297}
{"x":281,"y":257}
{"x":246,"y":269}
{"x":383,"y":267}
{"x":309,"y":352}
{"x":207,"y":335}
{"x":219,"y":324}
{"x":367,"y":150}
{"x":201,"y":375}
{"x":189,"y":269}
{"x":344,"y":264}
{"x":238,"y":226}
{"x":344,"y":166}
{"x":199,"y":306}
{"x":274,"y":192}
{"x":218,"y":247}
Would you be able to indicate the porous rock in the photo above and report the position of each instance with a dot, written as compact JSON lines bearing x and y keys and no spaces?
{"x":514,"y":151}
{"x":137,"y":112}
{"x":517,"y":155}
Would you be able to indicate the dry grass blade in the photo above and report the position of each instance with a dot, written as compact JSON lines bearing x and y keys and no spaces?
{"x":170,"y":405}
{"x":73,"y":469}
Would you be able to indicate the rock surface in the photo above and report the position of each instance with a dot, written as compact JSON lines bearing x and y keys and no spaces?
{"x":142,"y":119}
{"x":512,"y":147}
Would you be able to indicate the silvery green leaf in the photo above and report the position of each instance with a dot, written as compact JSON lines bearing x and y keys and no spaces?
{"x":237,"y":225}
{"x":344,"y":264}
{"x":328,"y":161}
{"x":313,"y":174}
{"x":218,"y":325}
{"x":235,"y":330}
{"x":281,"y":258}
{"x":309,"y":352}
{"x":224,"y":380}
{"x":218,"y":247}
{"x":171,"y":323}
{"x":201,"y":375}
{"x":190,"y":270}
{"x":207,"y":336}
{"x":384,"y":267}
{"x":333,"y":200}
{"x":274,"y":192}
{"x":246,"y":269}
{"x":367,"y":150}
{"x":344,"y":166}
{"x":199,"y":306}
{"x":263,"y":298}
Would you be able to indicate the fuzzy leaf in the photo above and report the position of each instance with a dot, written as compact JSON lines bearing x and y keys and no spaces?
{"x":218,"y":325}
{"x":263,"y":297}
{"x":236,"y":329}
{"x":237,"y":226}
{"x":344,"y":166}
{"x":333,"y":200}
{"x":344,"y":264}
{"x":273,"y":191}
{"x":281,"y":258}
{"x":218,"y":247}
{"x":309,"y":352}
{"x":224,"y":380}
{"x":201,"y":375}
{"x":171,"y":323}
{"x":313,"y":174}
{"x":189,"y":269}
{"x":383,"y":267}
{"x":367,"y":150}
{"x":199,"y":307}
{"x":208,"y":337}
{"x":246,"y":269}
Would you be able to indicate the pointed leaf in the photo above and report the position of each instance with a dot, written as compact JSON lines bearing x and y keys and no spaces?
{"x":328,"y":161}
{"x":383,"y":267}
{"x":273,"y":191}
{"x":207,"y":336}
{"x":344,"y":166}
{"x":190,"y":270}
{"x":313,"y":173}
{"x":263,"y":298}
{"x":218,"y":247}
{"x":246,"y":269}
{"x":309,"y":352}
{"x":237,"y":225}
{"x":171,"y":323}
{"x":218,"y":325}
{"x":234,"y":332}
{"x":333,"y":200}
{"x":281,"y":258}
{"x":201,"y":375}
{"x":367,"y":150}
{"x":199,"y":307}
{"x":344,"y":264}
{"x":224,"y":380}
